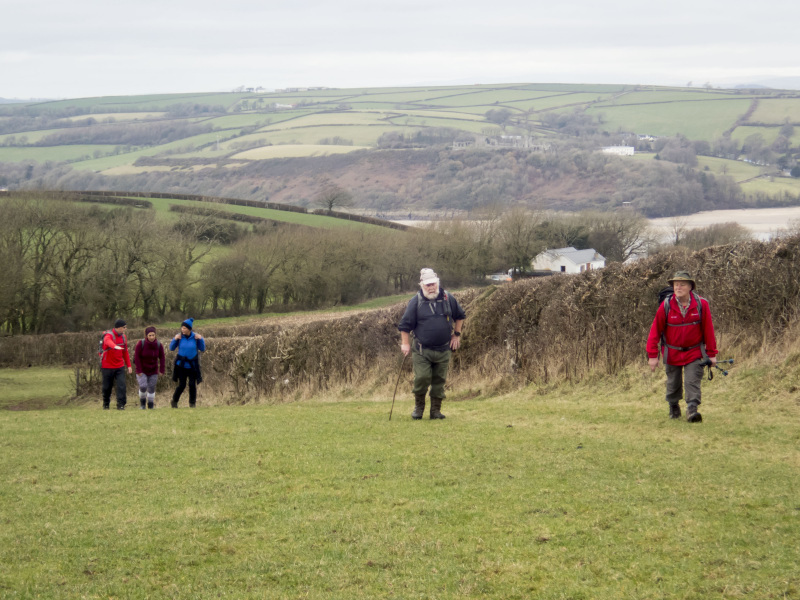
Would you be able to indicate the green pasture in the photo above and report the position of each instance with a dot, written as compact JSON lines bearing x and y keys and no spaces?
{"x":738,"y":169}
{"x":582,"y":492}
{"x":484,"y":97}
{"x":154,"y":102}
{"x":589,"y":88}
{"x":557,"y":102}
{"x":661,"y":95}
{"x":261,"y":119}
{"x":770,"y":134}
{"x":108,"y":162}
{"x":329,"y":118}
{"x":410,"y":96}
{"x":35,"y":388}
{"x":422,"y":120}
{"x":777,"y":111}
{"x":294,"y":151}
{"x":360,"y":135}
{"x":204,"y":325}
{"x":437,"y":114}
{"x":117,"y":117}
{"x":772,"y":186}
{"x":43,"y":154}
{"x":701,"y":120}
{"x":32,"y":137}
{"x":161,"y":205}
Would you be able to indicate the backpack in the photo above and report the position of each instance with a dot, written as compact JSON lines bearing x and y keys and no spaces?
{"x":101,"y":352}
{"x":447,"y":308}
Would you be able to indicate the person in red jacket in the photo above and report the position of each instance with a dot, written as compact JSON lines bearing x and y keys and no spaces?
{"x":115,"y":359}
{"x":684,"y":327}
{"x":149,"y":360}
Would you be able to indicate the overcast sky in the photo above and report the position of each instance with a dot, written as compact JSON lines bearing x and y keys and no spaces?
{"x":100,"y":48}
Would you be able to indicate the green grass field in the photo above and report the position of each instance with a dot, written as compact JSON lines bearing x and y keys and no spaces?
{"x":584,"y":492}
{"x":53,"y":153}
{"x":701,"y":120}
{"x":36,"y":387}
{"x":267,"y":152}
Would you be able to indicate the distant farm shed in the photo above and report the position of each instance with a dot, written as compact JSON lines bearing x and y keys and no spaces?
{"x":569,"y":260}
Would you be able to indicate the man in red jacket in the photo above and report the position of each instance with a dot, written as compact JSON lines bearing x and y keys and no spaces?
{"x":115,"y":359}
{"x":684,"y":327}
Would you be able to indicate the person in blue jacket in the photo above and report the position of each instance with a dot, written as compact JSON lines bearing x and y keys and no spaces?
{"x":187,"y":362}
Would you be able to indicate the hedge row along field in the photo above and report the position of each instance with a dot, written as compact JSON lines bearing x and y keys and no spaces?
{"x":540,"y":330}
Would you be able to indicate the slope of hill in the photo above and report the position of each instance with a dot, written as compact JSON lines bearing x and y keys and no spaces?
{"x":241,"y":144}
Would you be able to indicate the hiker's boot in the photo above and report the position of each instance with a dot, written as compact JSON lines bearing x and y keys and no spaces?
{"x":436,"y":408}
{"x":143,"y":404}
{"x":674,"y":411}
{"x":419,"y":407}
{"x":692,"y":415}
{"x":151,"y":405}
{"x":106,"y":406}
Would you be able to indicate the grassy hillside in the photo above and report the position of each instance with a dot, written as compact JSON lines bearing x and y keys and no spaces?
{"x":583,"y":491}
{"x":556,"y":473}
{"x":150,"y":142}
{"x":313,"y":115}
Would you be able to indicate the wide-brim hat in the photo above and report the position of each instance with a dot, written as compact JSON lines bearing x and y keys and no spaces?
{"x":681,"y":276}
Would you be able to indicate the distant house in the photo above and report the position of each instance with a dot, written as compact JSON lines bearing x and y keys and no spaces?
{"x":619,"y":150}
{"x":569,"y":260}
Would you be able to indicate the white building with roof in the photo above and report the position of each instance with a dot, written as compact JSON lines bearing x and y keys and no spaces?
{"x":569,"y":260}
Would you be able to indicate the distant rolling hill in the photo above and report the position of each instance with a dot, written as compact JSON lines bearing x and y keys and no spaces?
{"x":284,"y":145}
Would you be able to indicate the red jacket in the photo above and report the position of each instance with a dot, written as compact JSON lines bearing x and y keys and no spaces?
{"x":683,"y":332}
{"x":115,"y":359}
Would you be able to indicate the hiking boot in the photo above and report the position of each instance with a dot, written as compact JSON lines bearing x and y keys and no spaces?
{"x":674,"y":411}
{"x":121,"y":407}
{"x":192,"y":405}
{"x":692,"y":415}
{"x":143,"y":405}
{"x":436,"y":408}
{"x":419,"y":408}
{"x":151,"y":405}
{"x":174,"y":404}
{"x":106,"y":407}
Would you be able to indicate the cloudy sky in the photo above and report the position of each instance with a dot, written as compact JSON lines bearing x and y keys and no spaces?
{"x":100,"y":48}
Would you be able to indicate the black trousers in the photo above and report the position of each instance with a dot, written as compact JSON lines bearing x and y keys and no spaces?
{"x":110,"y":378}
{"x":183,"y":376}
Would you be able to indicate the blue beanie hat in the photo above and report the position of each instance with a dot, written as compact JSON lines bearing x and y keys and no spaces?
{"x":188,"y":323}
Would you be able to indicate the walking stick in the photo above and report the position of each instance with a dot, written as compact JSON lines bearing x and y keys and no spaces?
{"x":396,"y":384}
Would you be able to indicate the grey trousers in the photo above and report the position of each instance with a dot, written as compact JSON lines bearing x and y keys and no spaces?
{"x":430,"y":370}
{"x":684,"y":378}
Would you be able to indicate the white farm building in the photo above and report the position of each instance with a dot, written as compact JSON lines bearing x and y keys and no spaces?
{"x":569,"y":260}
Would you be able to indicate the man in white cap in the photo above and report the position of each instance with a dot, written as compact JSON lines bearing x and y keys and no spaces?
{"x":430,"y":330}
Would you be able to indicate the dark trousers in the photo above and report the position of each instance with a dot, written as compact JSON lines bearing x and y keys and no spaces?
{"x":113,"y":377}
{"x":685,"y":377}
{"x":183,"y":376}
{"x":430,"y":370}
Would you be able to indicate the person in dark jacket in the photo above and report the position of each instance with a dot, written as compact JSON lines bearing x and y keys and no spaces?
{"x":149,"y":360}
{"x":187,"y":362}
{"x":113,"y":363}
{"x":684,"y":327}
{"x":430,"y":330}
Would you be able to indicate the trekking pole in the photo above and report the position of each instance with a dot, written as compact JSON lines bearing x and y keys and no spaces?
{"x":400,"y":372}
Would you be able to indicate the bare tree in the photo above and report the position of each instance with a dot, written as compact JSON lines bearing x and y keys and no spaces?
{"x":677,"y":229}
{"x":332,"y":196}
